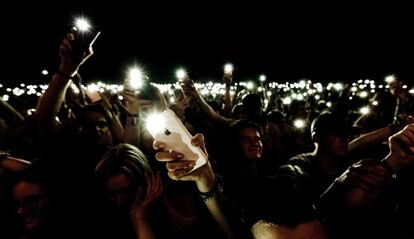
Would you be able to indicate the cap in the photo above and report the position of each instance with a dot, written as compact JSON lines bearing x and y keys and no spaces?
{"x":332,"y":123}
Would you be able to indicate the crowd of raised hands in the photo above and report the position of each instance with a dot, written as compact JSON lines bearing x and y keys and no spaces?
{"x":87,"y":164}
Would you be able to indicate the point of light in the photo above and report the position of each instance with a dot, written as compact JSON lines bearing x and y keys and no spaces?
{"x":228,"y":68}
{"x":364,"y":110}
{"x":262,"y":78}
{"x":155,"y":123}
{"x":180,"y":74}
{"x":375,"y":102}
{"x":82,"y":24}
{"x":390,"y":78}
{"x":299,"y":124}
{"x":135,"y":78}
{"x":45,"y":72}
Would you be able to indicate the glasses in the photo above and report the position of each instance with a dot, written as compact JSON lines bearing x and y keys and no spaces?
{"x":30,"y":202}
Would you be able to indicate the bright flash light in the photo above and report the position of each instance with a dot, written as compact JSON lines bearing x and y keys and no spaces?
{"x":45,"y":72}
{"x":262,"y":78}
{"x":135,"y":77}
{"x":338,"y":86}
{"x":287,"y":100}
{"x":364,"y":110}
{"x":5,"y":97}
{"x":82,"y":24}
{"x":228,"y":69}
{"x":155,"y":123}
{"x":250,"y":85}
{"x":363,"y":94}
{"x":299,"y":124}
{"x":390,"y":78}
{"x":180,"y":74}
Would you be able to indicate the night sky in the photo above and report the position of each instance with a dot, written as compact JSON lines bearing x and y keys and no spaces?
{"x":285,"y":43}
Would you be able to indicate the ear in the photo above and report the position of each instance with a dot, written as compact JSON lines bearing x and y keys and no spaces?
{"x":316,"y":137}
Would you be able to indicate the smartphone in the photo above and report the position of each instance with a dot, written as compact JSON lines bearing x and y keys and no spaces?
{"x":173,"y":133}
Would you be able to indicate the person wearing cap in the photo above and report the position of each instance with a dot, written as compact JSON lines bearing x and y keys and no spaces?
{"x":316,"y":170}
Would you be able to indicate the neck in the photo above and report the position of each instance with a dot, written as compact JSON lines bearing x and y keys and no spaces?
{"x":329,"y":164}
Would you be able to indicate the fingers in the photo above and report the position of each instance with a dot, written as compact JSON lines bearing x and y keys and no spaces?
{"x":179,"y":174}
{"x":198,"y":140}
{"x":167,"y":156}
{"x":180,"y":165}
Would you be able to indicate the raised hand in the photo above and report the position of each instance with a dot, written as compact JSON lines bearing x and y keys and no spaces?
{"x":180,"y":168}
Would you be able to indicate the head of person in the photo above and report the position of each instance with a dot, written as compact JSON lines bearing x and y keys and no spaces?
{"x":395,"y":86}
{"x":246,"y":140}
{"x":252,"y":105}
{"x":287,"y":213}
{"x":94,"y":123}
{"x":34,"y":198}
{"x":299,"y":109}
{"x":331,"y":132}
{"x":121,"y":172}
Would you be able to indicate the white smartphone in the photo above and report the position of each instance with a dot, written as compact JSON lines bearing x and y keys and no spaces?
{"x":166,"y":127}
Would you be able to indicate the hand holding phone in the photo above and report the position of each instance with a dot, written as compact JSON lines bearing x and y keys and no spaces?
{"x":167,"y":128}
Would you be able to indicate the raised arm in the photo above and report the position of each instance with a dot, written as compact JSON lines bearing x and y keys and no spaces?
{"x":49,"y":104}
{"x":191,"y":92}
{"x":208,"y":185}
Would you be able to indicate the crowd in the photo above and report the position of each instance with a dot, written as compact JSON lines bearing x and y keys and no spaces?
{"x":285,"y":160}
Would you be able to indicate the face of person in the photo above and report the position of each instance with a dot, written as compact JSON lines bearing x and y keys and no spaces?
{"x":251,"y":144}
{"x":120,"y":191}
{"x":95,"y":128}
{"x":32,"y":204}
{"x":336,"y":145}
{"x":396,"y":88}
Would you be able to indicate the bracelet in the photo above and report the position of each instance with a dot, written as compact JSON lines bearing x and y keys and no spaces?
{"x":389,"y":169}
{"x":63,"y":75}
{"x":217,"y":189}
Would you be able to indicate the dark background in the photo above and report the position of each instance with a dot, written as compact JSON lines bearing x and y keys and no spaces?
{"x":317,"y":41}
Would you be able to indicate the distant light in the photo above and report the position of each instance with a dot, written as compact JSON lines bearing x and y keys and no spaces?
{"x":82,"y":24}
{"x":299,"y":124}
{"x":5,"y":97}
{"x":329,"y":104}
{"x":262,"y":78}
{"x":390,"y":78}
{"x":404,"y":86}
{"x":45,"y":72}
{"x":120,"y":97}
{"x":135,"y":78}
{"x":180,"y":74}
{"x":364,"y":110}
{"x":250,"y":85}
{"x":269,"y":93}
{"x":353,"y":89}
{"x":172,"y":99}
{"x":317,"y":97}
{"x":287,"y":100}
{"x":380,"y":86}
{"x":375,"y":102}
{"x":338,"y":86}
{"x":411,"y":91}
{"x":299,"y":97}
{"x":363,"y":94}
{"x":228,"y":68}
